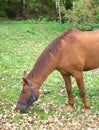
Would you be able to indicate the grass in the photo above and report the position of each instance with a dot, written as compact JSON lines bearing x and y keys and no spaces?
{"x":20,"y":45}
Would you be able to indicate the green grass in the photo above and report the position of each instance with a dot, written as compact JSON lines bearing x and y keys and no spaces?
{"x":20,"y":45}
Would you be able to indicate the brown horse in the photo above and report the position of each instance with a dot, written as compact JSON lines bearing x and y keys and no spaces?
{"x":71,"y":53}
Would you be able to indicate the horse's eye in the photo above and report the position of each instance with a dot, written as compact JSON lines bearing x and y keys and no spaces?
{"x":24,"y":91}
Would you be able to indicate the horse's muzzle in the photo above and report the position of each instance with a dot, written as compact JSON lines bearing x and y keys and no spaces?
{"x":22,"y":109}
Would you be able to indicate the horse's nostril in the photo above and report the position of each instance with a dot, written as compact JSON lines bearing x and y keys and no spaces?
{"x":21,"y":108}
{"x":23,"y":111}
{"x":17,"y":109}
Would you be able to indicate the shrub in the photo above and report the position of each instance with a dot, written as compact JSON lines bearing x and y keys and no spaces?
{"x":81,"y":12}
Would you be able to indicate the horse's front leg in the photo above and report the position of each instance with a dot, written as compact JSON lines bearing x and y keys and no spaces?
{"x":67,"y":80}
{"x":80,"y":83}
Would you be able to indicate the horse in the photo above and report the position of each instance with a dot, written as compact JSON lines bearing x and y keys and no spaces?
{"x":71,"y":53}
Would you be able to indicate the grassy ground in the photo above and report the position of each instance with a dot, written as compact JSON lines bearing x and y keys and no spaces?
{"x":20,"y":45}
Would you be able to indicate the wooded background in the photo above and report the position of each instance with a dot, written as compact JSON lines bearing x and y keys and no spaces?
{"x":76,"y":11}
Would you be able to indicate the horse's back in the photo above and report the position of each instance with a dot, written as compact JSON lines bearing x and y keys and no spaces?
{"x":80,"y":50}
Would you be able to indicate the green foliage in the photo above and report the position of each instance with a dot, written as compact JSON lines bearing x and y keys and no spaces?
{"x":41,"y":9}
{"x":82,"y":13}
{"x":74,"y":11}
{"x":2,"y":12}
{"x":95,"y":9}
{"x":9,"y":8}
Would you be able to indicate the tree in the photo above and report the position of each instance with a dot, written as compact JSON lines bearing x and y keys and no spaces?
{"x":58,"y":10}
{"x":76,"y":11}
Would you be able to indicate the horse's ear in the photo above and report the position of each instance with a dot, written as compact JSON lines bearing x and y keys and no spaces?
{"x":25,"y":80}
{"x":25,"y":74}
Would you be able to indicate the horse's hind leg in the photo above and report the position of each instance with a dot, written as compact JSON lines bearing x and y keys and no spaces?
{"x":80,"y":83}
{"x":67,"y":80}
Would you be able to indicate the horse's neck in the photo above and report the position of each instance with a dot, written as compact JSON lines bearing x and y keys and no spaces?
{"x":43,"y":74}
{"x":39,"y":76}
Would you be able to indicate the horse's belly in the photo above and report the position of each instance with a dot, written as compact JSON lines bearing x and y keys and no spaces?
{"x":90,"y":65}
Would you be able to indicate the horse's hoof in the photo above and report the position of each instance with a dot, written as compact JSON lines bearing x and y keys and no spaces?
{"x":87,"y":111}
{"x":70,"y":108}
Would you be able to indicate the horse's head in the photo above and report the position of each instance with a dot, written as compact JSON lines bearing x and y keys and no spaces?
{"x":27,"y":96}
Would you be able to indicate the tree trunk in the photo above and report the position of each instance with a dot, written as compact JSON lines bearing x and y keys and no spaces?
{"x":24,"y":2}
{"x":58,"y":10}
